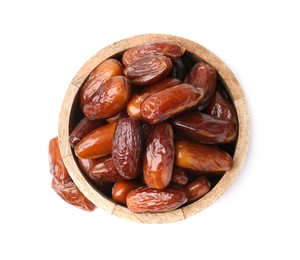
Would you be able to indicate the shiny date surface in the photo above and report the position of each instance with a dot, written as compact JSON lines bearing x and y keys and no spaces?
{"x":104,"y":71}
{"x":104,"y":170}
{"x":96,"y":144}
{"x":146,"y":199}
{"x":200,"y":158}
{"x":134,"y":105}
{"x":170,"y":102}
{"x":159,"y":157}
{"x":198,"y":188}
{"x":148,"y":70}
{"x":127,"y":147}
{"x":203,"y":76}
{"x":122,"y":188}
{"x":110,"y":99}
{"x":221,"y":108}
{"x":203,"y":128}
{"x":84,"y":127}
{"x":57,"y":166}
{"x":171,"y":50}
{"x":70,"y":193}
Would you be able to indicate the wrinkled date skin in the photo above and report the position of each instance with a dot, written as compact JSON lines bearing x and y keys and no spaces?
{"x":181,"y":67}
{"x":122,"y":188}
{"x":148,"y":70}
{"x":84,"y":127}
{"x":168,"y":49}
{"x":134,"y":105}
{"x":104,"y":170}
{"x":96,"y":144}
{"x":146,"y":199}
{"x":201,"y":158}
{"x":198,"y":188}
{"x":179,"y":177}
{"x":221,"y":108}
{"x":71,"y":194}
{"x":127,"y":147}
{"x":110,"y":99}
{"x":170,"y":102}
{"x":203,"y":76}
{"x":57,"y":166}
{"x":107,"y":69}
{"x":203,"y":128}
{"x":159,"y":157}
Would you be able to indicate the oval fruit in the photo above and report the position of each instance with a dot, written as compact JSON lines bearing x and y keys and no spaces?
{"x":159,"y":157}
{"x":201,"y":158}
{"x":146,"y":199}
{"x":127,"y":147}
{"x":110,"y":98}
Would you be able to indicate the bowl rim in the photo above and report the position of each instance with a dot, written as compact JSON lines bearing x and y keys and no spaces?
{"x":233,"y":88}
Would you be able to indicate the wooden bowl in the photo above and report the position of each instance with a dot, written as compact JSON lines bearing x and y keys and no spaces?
{"x":68,"y":116}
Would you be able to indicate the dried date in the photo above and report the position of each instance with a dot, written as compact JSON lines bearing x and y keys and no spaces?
{"x":70,"y":193}
{"x":171,"y":50}
{"x":107,"y":69}
{"x":84,"y":127}
{"x":148,"y":70}
{"x":127,"y":147}
{"x":146,"y":199}
{"x":203,"y":128}
{"x":159,"y":157}
{"x":104,"y":170}
{"x":134,"y":105}
{"x":96,"y":144}
{"x":170,"y":102}
{"x":198,"y":188}
{"x":200,"y":158}
{"x":57,"y":166}
{"x":203,"y":76}
{"x":110,"y":99}
{"x":122,"y":188}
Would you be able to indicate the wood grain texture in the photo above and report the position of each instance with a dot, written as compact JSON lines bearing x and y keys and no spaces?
{"x":234,"y":90}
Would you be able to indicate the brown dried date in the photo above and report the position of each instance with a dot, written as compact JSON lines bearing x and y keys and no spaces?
{"x":179,"y":177}
{"x":159,"y":157}
{"x":146,"y":199}
{"x":127,"y":147}
{"x":198,"y":188}
{"x":148,"y":70}
{"x":86,"y":164}
{"x":110,"y":98}
{"x":104,"y":170}
{"x":70,"y":193}
{"x":107,"y":69}
{"x":57,"y":166}
{"x":201,"y":158}
{"x":171,"y":50}
{"x":202,"y":128}
{"x":84,"y":127}
{"x":134,"y":105}
{"x":170,"y":102}
{"x":122,"y":188}
{"x":96,"y":144}
{"x":181,"y":67}
{"x":221,"y":108}
{"x":203,"y":76}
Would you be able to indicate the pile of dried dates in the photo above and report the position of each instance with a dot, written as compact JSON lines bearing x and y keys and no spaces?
{"x":157,"y":130}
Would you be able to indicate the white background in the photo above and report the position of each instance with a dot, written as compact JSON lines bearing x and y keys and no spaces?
{"x":44,"y":43}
